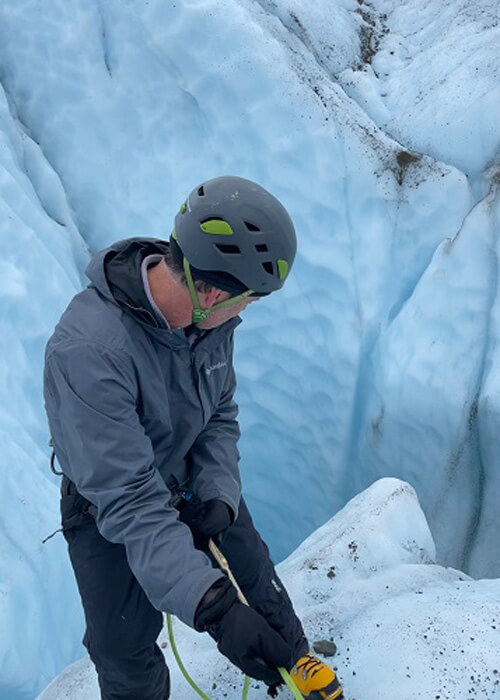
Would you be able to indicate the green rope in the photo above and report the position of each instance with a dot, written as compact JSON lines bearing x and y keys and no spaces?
{"x":289,"y":681}
{"x":222,"y":561}
{"x":246,"y":686}
{"x":179,"y":662}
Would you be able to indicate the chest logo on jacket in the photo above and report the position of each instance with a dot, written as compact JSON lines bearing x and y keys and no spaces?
{"x":218,"y":365}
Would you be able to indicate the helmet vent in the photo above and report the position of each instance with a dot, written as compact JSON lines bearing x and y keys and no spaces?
{"x":268,"y":267}
{"x":228,"y":249}
{"x":201,"y":191}
{"x":251,"y":227}
{"x":261,"y":248}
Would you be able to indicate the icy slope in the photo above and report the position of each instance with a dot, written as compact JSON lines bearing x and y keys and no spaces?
{"x":405,"y":627}
{"x":40,"y":255}
{"x":426,"y":73}
{"x":432,"y":78}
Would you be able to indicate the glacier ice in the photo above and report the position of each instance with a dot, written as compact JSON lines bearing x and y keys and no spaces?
{"x":378,"y":358}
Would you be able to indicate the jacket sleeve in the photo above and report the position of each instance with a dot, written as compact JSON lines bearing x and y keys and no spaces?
{"x":214,"y":455}
{"x":90,"y":398}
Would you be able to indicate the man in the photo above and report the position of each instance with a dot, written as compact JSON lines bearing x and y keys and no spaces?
{"x":138,"y":388}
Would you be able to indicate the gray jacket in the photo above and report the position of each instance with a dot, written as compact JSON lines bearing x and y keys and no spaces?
{"x":136,"y":411}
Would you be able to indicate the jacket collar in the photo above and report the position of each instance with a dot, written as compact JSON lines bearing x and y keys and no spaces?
{"x":175,"y":339}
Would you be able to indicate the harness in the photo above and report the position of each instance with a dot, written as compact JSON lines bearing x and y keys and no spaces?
{"x":68,"y":488}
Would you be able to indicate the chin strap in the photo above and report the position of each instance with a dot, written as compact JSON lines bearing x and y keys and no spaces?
{"x":200,"y":314}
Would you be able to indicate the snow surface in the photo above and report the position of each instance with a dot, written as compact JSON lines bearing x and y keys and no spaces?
{"x":404,"y":626}
{"x":380,"y":356}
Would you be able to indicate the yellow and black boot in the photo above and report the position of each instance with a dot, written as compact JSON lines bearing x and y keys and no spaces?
{"x":316,"y":680}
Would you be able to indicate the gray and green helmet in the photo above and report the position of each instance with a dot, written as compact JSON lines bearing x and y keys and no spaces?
{"x":236,"y":235}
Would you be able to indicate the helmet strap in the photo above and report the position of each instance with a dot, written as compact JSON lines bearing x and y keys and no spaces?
{"x":200,"y":314}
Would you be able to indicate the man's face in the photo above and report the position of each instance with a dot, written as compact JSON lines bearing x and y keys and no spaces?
{"x":219,"y":316}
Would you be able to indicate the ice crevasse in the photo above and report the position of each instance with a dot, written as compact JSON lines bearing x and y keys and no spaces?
{"x":376,"y":123}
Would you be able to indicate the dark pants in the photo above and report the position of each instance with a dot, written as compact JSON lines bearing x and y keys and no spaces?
{"x":122,"y":625}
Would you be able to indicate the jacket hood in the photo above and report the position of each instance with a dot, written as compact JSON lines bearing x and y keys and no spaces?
{"x":95,"y":270}
{"x":116,"y":274}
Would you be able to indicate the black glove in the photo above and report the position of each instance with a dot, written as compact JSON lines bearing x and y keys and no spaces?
{"x":206,"y":520}
{"x":242,"y":635}
{"x":272,"y":690}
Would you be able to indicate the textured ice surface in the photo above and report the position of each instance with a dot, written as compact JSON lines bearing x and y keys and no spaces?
{"x":404,"y":626}
{"x":380,"y":355}
{"x":40,"y":255}
{"x":419,"y":413}
{"x":431,"y":78}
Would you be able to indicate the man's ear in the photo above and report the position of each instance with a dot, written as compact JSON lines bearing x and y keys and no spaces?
{"x":213,"y":296}
{"x":221,"y":295}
